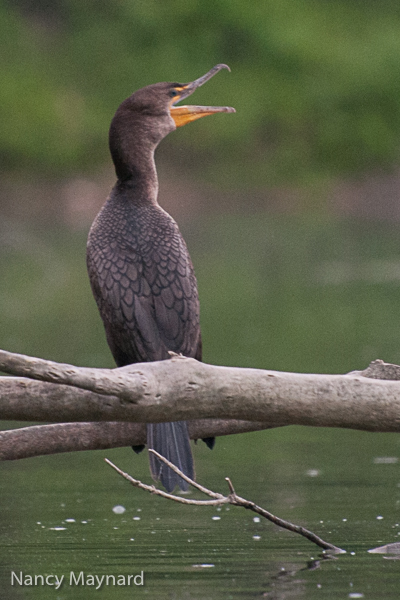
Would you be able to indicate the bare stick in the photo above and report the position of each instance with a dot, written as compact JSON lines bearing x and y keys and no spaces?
{"x":153,"y":490}
{"x":238,"y":501}
{"x":191,"y":482}
{"x":219,"y":499}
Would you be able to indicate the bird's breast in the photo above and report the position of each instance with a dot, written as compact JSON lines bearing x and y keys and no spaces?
{"x":143,"y":280}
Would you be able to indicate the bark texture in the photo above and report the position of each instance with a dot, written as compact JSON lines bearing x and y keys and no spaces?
{"x":216,"y":401}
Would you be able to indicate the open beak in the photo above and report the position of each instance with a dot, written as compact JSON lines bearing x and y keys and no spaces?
{"x":185,"y":114}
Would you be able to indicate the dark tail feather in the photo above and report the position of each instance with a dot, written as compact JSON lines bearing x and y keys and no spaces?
{"x":171,"y":440}
{"x":209,"y":441}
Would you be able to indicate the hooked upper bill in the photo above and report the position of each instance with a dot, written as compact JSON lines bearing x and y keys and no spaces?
{"x":185,"y":114}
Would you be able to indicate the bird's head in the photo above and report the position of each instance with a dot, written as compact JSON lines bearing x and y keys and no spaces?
{"x":148,"y":115}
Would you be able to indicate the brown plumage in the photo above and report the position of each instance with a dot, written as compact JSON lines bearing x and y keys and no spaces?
{"x":139,"y":267}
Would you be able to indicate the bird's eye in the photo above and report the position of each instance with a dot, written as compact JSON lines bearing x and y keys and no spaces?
{"x":173,"y":93}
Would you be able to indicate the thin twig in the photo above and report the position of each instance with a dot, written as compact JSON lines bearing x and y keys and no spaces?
{"x":219,"y":499}
{"x":186,"y":478}
{"x":230,"y":484}
{"x":153,"y":490}
{"x":238,"y":501}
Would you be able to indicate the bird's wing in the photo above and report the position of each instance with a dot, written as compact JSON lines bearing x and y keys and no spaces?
{"x":148,"y":301}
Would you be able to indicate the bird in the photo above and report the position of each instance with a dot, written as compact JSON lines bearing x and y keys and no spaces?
{"x":139,"y":267}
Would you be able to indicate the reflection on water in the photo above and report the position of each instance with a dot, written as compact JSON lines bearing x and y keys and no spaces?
{"x":286,"y":293}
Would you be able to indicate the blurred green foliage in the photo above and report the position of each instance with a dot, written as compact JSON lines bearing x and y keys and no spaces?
{"x":316,"y":84}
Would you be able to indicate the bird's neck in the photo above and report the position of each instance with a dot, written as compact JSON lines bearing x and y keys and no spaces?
{"x":133,"y":157}
{"x":140,"y":182}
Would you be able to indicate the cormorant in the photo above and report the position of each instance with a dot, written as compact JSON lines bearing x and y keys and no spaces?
{"x":140,"y":270}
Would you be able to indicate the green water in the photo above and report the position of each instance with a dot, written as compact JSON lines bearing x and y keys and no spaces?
{"x":327,"y":481}
{"x":298,"y":293}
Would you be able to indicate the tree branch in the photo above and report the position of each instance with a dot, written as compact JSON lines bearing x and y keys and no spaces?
{"x":39,"y":440}
{"x":227,"y":400}
{"x":219,"y":499}
{"x":185,"y":389}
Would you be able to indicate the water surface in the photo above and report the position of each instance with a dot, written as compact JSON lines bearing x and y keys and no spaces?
{"x":290,"y":293}
{"x":57,"y":517}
